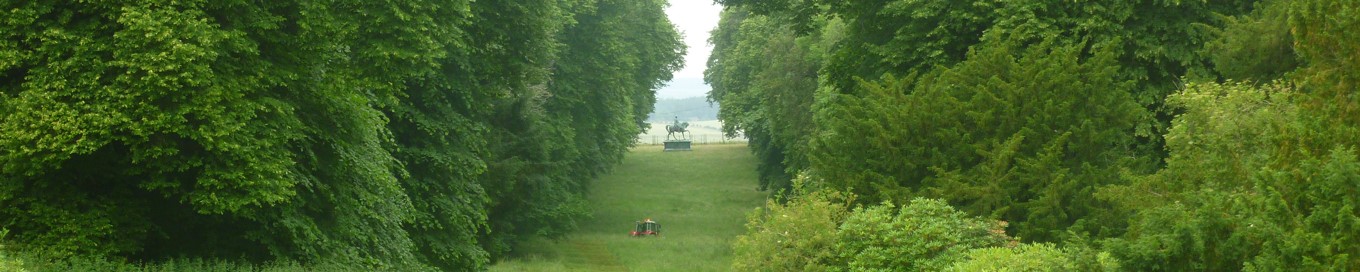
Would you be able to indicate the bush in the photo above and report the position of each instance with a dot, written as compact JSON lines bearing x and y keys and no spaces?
{"x":1031,"y":257}
{"x":796,"y":236}
{"x":925,"y":235}
{"x":1247,"y":185}
{"x":815,"y":230}
{"x":7,"y":262}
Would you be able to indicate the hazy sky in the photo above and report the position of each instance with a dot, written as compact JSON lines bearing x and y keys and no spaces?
{"x":694,"y":18}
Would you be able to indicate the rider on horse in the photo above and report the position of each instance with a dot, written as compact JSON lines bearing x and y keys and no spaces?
{"x":677,"y":127}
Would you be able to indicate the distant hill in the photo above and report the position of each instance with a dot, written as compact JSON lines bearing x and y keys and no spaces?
{"x":687,"y":109}
{"x":683,"y":87}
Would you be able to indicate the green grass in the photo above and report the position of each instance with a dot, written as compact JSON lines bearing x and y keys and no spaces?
{"x":700,"y":197}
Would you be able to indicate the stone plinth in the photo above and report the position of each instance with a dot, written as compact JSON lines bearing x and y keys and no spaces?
{"x":678,"y":145}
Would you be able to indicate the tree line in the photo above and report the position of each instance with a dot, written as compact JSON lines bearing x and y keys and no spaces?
{"x":396,"y":135}
{"x":693,"y":108}
{"x":1138,"y":135}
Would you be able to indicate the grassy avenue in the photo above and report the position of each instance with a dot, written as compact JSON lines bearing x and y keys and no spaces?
{"x":700,"y":197}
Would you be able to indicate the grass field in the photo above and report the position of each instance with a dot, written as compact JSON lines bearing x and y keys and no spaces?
{"x":700,"y":197}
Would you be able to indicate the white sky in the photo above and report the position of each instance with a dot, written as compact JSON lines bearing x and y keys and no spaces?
{"x":694,"y":18}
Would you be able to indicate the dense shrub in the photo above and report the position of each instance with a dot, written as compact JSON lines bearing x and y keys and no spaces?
{"x":1242,"y":189}
{"x":8,"y":262}
{"x":924,"y":235}
{"x":1032,"y":257}
{"x":799,"y":235}
{"x":816,"y":231}
{"x":1018,"y":133}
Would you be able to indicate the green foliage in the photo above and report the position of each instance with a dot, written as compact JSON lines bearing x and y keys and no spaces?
{"x":1241,"y":190}
{"x":872,"y":39}
{"x":160,"y":86}
{"x":1058,"y":103}
{"x":1256,"y":47}
{"x":815,"y":231}
{"x":1323,"y":31}
{"x":925,"y":235}
{"x":442,"y":132}
{"x":557,"y":136}
{"x":1313,"y":227}
{"x":1259,"y":178}
{"x":799,"y":235}
{"x":353,"y":132}
{"x":8,"y":262}
{"x":765,"y":77}
{"x":1030,"y":257}
{"x":1226,"y":134}
{"x":1026,"y":257}
{"x":900,"y":36}
{"x":1154,"y":50}
{"x":1018,"y":134}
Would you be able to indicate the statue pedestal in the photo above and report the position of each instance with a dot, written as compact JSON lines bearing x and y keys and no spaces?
{"x":677,"y":145}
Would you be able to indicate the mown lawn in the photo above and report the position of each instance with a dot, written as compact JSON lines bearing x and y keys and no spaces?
{"x":700,"y":197}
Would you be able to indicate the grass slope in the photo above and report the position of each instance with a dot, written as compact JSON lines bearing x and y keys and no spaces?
{"x":700,"y":198}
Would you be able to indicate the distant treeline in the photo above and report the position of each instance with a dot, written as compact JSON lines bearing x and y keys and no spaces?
{"x":396,"y":135}
{"x":687,"y":109}
{"x":1046,"y":135}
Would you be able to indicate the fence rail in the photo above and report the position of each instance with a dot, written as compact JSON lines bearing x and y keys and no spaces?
{"x":696,"y":139}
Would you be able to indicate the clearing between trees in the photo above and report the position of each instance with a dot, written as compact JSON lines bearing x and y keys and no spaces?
{"x":700,"y":197}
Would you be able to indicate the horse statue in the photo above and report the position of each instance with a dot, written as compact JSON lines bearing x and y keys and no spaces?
{"x":677,"y":127}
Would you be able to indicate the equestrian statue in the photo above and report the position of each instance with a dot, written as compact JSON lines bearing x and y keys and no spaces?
{"x":678,"y":127}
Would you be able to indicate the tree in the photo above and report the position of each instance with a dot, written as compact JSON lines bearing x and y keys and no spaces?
{"x":1255,"y":172}
{"x":379,"y":135}
{"x":1016,"y":134}
{"x":1241,"y":190}
{"x":555,"y":137}
{"x":873,"y":39}
{"x":1255,"y":47}
{"x":765,"y":76}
